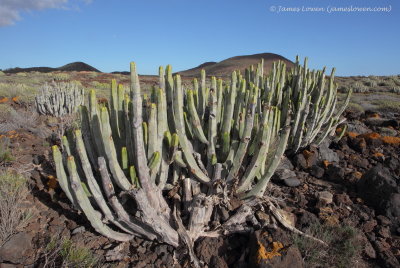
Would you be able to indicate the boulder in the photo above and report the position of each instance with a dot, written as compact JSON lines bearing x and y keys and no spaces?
{"x":14,"y":250}
{"x":317,"y":171}
{"x":273,"y":250}
{"x":335,"y":173}
{"x":324,"y":198}
{"x":381,"y":122}
{"x":282,"y":174}
{"x":292,"y":182}
{"x":325,"y":153}
{"x":379,"y":189}
{"x":357,"y":127}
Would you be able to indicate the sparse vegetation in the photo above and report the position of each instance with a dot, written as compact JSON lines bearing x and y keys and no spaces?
{"x":371,"y":83}
{"x":359,"y":87}
{"x":355,"y":107}
{"x":64,"y":253}
{"x":5,"y":152}
{"x":22,"y":74}
{"x":11,"y":90}
{"x":61,"y":77}
{"x":396,"y":89}
{"x":342,"y":251}
{"x":385,"y":105}
{"x":100,"y":85}
{"x":13,"y":191}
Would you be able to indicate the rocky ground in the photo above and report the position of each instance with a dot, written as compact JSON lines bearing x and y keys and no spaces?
{"x":345,"y":191}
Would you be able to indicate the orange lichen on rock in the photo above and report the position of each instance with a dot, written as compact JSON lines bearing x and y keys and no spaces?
{"x":326,"y":163}
{"x":357,"y":175}
{"x":375,"y":115}
{"x":3,"y":100}
{"x":352,"y":134}
{"x":327,"y":215}
{"x":378,"y":155}
{"x":264,"y":254}
{"x":15,"y":99}
{"x":391,"y":140}
{"x":370,"y":136}
{"x":307,"y":153}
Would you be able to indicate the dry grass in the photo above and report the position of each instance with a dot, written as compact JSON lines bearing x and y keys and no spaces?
{"x":342,"y":251}
{"x":386,"y":105}
{"x":13,"y":191}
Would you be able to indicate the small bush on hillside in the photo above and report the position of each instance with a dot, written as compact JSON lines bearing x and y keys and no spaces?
{"x":396,"y":89}
{"x":359,"y":87}
{"x":342,"y":251}
{"x":371,"y":83}
{"x":5,"y":153}
{"x":61,"y":77}
{"x":64,"y":253}
{"x":13,"y":190}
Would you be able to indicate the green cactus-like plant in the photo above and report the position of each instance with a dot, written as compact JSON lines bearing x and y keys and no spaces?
{"x":59,"y":99}
{"x":208,"y":142}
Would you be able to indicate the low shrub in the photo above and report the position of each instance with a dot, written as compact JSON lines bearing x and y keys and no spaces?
{"x":64,"y":253}
{"x":342,"y":251}
{"x":5,"y":153}
{"x":13,"y":190}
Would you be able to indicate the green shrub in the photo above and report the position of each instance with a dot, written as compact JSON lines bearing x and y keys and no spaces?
{"x":355,"y":107}
{"x":342,"y":251}
{"x":385,"y":105}
{"x":5,"y":153}
{"x":13,"y":191}
{"x":64,"y":253}
{"x":359,"y":87}
{"x":371,"y":83}
{"x":396,"y":89}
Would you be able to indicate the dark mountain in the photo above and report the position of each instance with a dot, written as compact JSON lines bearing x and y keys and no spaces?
{"x":226,"y":67}
{"x":74,"y":66}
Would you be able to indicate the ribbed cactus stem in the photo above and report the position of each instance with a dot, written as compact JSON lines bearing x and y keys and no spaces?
{"x":229,"y":106}
{"x":202,"y":94}
{"x":180,"y":130}
{"x":61,"y":175}
{"x":259,"y":189}
{"x":84,"y":204}
{"x":152,"y":143}
{"x":162,"y":127}
{"x":244,"y":141}
{"x":212,"y":128}
{"x":220,"y":91}
{"x":110,"y":152}
{"x":194,"y":118}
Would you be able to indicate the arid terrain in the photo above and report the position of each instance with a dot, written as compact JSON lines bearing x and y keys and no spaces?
{"x":345,"y":192}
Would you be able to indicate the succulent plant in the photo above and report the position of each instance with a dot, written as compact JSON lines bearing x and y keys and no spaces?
{"x":203,"y":145}
{"x":59,"y":99}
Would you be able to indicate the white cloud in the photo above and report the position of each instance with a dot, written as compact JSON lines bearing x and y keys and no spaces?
{"x":10,"y":9}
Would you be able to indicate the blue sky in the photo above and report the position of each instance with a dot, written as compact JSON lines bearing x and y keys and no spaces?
{"x":185,"y":33}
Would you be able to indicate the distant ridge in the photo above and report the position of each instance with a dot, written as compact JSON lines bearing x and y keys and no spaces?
{"x":78,"y":66}
{"x":70,"y":67}
{"x":226,"y":67}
